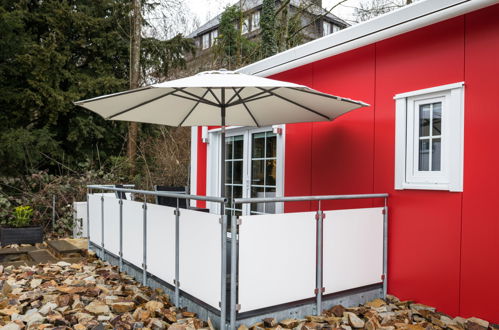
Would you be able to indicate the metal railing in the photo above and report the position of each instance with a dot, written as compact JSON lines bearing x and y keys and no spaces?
{"x":178,"y":196}
{"x":231,"y":323}
{"x":319,"y":242}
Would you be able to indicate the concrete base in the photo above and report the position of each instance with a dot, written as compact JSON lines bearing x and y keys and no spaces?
{"x":296,"y":310}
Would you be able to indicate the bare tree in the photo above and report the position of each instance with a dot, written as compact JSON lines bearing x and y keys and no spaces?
{"x":368,"y":9}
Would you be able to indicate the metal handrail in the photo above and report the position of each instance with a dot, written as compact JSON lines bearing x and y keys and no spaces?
{"x":305,"y":198}
{"x":160,"y":193}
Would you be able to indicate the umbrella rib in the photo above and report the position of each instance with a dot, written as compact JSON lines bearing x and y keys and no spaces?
{"x":298,"y":104}
{"x":329,"y":96}
{"x":141,"y":104}
{"x":194,"y":107}
{"x":214,"y":96}
{"x":234,"y":96}
{"x":254,"y":96}
{"x":196,"y":98}
{"x":246,"y":107}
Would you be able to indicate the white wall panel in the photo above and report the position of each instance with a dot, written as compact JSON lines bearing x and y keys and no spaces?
{"x":200,"y":255}
{"x":276,"y":259}
{"x":133,"y":232}
{"x":112,"y":224}
{"x":95,"y":217}
{"x":161,"y":242}
{"x":353,"y":248}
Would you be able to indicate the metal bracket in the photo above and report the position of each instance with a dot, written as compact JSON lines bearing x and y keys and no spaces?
{"x":101,"y":198}
{"x":239,"y":221}
{"x":120,"y":254}
{"x":144,"y":206}
{"x":316,"y":291}
{"x":177,"y":283}
{"x":120,"y":202}
{"x":221,"y":220}
{"x":382,"y":277}
{"x":144,"y":266}
{"x":317,"y":215}
{"x":176,"y":213}
{"x":238,"y":307}
{"x":383,"y":211}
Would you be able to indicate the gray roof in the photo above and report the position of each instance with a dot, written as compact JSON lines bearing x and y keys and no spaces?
{"x":250,"y":4}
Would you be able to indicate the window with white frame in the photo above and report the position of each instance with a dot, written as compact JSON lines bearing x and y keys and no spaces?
{"x":246,"y":26}
{"x":429,"y":138}
{"x":213,"y":37}
{"x":255,"y":20}
{"x":206,"y":41}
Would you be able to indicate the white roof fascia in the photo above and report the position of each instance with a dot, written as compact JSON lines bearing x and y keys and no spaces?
{"x":405,"y":19}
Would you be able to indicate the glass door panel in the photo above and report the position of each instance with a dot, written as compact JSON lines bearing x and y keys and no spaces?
{"x":234,"y":158}
{"x":263,"y":170}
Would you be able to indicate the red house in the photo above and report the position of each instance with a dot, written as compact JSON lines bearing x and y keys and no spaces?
{"x":430,"y":72}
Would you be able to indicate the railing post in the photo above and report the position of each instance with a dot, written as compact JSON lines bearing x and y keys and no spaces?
{"x":144,"y":245}
{"x":234,"y":223}
{"x":319,"y":289}
{"x":223,"y":271}
{"x":177,"y":255}
{"x":121,"y":233}
{"x":385,"y":249}
{"x":103,"y":251}
{"x":88,"y":217}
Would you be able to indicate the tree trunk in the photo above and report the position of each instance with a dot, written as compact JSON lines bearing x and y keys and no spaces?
{"x":133,"y":128}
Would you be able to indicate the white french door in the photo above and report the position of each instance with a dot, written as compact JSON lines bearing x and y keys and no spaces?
{"x":253,"y":168}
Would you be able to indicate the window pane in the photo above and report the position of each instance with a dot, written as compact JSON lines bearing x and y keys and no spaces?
{"x":238,"y":147}
{"x":257,"y":172}
{"x":237,"y":192}
{"x":228,"y":147}
{"x":228,"y":192}
{"x":437,"y":119}
{"x":270,"y":207}
{"x":435,"y":154}
{"x":271,"y":145}
{"x":258,"y":145}
{"x":424,"y":152}
{"x":255,"y":18}
{"x":257,"y":192}
{"x":228,"y":172}
{"x":238,"y":171}
{"x":270,"y":172}
{"x":424,"y":119}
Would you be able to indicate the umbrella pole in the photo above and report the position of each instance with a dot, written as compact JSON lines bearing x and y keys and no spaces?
{"x":222,"y":147}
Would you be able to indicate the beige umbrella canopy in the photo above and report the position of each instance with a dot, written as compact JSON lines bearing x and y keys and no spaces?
{"x":221,"y":98}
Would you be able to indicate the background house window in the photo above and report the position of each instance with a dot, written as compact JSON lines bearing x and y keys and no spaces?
{"x":213,"y":37}
{"x":429,"y":138}
{"x":328,"y":28}
{"x":245,"y":27}
{"x":255,"y":20}
{"x":206,"y":40}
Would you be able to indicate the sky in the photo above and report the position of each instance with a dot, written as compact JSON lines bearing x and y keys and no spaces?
{"x":207,"y":9}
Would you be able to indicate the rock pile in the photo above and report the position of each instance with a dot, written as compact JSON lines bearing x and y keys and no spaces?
{"x":86,"y":295}
{"x":389,"y":314}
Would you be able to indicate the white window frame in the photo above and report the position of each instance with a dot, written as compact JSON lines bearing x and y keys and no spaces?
{"x":213,"y":162}
{"x":450,"y":176}
{"x":213,"y":37}
{"x":205,"y":41}
{"x":245,"y":28}
{"x":255,"y":20}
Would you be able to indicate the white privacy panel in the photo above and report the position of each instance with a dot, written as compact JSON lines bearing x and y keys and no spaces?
{"x":112,"y":224}
{"x":133,"y":225}
{"x":200,"y":255}
{"x":161,"y":242}
{"x":353,"y":248}
{"x":276,"y":259}
{"x":95,"y":216}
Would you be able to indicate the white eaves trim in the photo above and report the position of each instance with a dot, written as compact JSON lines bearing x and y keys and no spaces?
{"x":405,"y":19}
{"x":429,"y":90}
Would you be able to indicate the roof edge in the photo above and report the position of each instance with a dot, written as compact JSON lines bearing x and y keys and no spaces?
{"x":405,"y":19}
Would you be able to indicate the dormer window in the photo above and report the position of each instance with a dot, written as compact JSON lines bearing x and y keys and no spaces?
{"x":328,"y":28}
{"x":213,"y":37}
{"x":205,"y":41}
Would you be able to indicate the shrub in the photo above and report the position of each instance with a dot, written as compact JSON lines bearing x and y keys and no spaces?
{"x":22,"y":216}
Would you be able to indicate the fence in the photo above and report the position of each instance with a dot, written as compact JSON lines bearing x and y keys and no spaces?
{"x":188,"y":249}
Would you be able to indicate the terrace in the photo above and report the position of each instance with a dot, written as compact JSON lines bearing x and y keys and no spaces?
{"x":289,"y":264}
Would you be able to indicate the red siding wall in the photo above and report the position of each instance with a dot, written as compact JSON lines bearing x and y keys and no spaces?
{"x":444,"y":247}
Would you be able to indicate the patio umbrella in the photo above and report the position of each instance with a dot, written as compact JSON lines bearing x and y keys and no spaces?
{"x":221,"y":98}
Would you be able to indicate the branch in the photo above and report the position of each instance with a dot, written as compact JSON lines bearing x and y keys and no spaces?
{"x":316,"y":19}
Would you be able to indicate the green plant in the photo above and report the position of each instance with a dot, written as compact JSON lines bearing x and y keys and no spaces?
{"x":22,"y":216}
